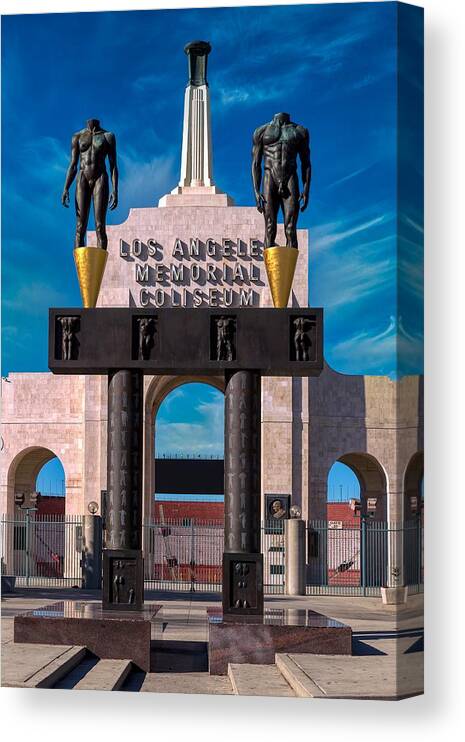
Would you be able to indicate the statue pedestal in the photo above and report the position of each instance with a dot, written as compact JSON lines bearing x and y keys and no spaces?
{"x":256,"y":639}
{"x":90,"y":266}
{"x":280,"y":265}
{"x":112,"y":635}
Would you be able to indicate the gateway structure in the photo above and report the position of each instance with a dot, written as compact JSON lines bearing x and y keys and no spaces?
{"x":197,"y":249}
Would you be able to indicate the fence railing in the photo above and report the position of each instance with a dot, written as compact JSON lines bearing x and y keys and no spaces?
{"x":361,"y":556}
{"x":342,"y":558}
{"x":187,"y":554}
{"x":40,"y":550}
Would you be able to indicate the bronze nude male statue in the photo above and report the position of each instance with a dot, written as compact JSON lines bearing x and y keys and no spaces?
{"x":279,"y":143}
{"x":92,"y":146}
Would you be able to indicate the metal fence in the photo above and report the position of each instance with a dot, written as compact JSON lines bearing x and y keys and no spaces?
{"x":187,"y":554}
{"x":361,"y":556}
{"x":343,"y":558}
{"x":42,"y":550}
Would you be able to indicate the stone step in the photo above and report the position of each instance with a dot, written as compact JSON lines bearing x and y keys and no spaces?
{"x":187,"y":682}
{"x":52,"y":672}
{"x":258,"y":680}
{"x":301,"y":684}
{"x":105,"y":675}
{"x":387,"y":675}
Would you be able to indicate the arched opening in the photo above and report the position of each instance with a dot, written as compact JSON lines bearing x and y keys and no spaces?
{"x":35,"y":534}
{"x":413,"y":520}
{"x":183,"y":533}
{"x":372,"y":482}
{"x":189,"y":450}
{"x":50,"y":483}
{"x":354,"y":538}
{"x":413,"y":487}
{"x":26,"y":468}
{"x":158,"y":390}
{"x":343,"y":487}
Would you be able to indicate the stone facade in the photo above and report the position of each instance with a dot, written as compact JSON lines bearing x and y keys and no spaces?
{"x":371,"y":423}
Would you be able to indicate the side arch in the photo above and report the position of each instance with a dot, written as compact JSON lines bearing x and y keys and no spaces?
{"x":24,"y":468}
{"x":412,"y":527}
{"x":372,"y":479}
{"x":413,"y":479}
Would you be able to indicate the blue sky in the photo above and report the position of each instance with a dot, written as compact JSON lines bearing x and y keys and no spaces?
{"x":334,"y":70}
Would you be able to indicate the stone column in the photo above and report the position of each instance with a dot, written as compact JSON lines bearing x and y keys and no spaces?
{"x":242,"y":560}
{"x":92,"y":552}
{"x":295,"y":563}
{"x":122,"y":576}
{"x":196,"y":158}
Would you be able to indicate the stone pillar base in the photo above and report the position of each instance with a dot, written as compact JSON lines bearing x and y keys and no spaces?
{"x":394,"y":595}
{"x":295,"y":566}
{"x":123,"y":580}
{"x":92,"y":552}
{"x":242,"y":584}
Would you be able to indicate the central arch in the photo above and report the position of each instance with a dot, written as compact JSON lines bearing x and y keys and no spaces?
{"x":157,"y":388}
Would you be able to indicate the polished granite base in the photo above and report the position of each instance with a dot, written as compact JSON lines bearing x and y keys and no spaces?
{"x":256,"y":639}
{"x":108,"y":634}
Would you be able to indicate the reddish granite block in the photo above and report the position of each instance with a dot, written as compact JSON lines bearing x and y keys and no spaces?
{"x":108,"y":634}
{"x":256,"y":639}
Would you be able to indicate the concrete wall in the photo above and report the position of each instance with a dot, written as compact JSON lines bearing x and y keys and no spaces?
{"x":372,"y":423}
{"x":307,"y":424}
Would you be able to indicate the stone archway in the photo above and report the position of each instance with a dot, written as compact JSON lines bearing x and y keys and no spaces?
{"x":24,"y":469}
{"x":413,"y":517}
{"x":373,"y":482}
{"x":374,"y":535}
{"x":29,"y":543}
{"x":357,"y":554}
{"x":156,"y":389}
{"x":413,"y":479}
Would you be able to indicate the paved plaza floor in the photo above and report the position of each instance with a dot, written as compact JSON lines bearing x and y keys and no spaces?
{"x":387,"y":660}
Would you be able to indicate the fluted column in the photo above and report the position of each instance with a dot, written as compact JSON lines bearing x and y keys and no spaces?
{"x":123,"y":587}
{"x":124,"y":515}
{"x":242,"y":560}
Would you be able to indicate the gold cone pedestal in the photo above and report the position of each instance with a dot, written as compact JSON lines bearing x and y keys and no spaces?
{"x":90,"y":267}
{"x":280,"y":265}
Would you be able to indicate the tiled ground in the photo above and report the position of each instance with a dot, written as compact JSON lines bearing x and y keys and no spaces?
{"x":383,"y":641}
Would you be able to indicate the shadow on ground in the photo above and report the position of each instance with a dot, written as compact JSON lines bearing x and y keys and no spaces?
{"x":178,"y":656}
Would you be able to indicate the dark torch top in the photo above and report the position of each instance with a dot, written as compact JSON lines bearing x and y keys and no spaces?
{"x":198,"y":52}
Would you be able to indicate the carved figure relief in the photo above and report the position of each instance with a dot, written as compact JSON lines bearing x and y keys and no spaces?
{"x":123,"y":574}
{"x":146,"y":331}
{"x":225,"y":336}
{"x":241,"y":571}
{"x":69,"y":350}
{"x":302,"y":338}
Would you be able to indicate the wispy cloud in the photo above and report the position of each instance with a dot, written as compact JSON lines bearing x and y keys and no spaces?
{"x":35,"y":298}
{"x":145,"y":180}
{"x":393,"y":351}
{"x":248,"y":94}
{"x":324,"y":236}
{"x":203,"y":435}
{"x":357,"y":281}
{"x":349,"y":176}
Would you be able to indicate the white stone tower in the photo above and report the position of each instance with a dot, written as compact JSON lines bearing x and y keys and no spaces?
{"x":196,"y":186}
